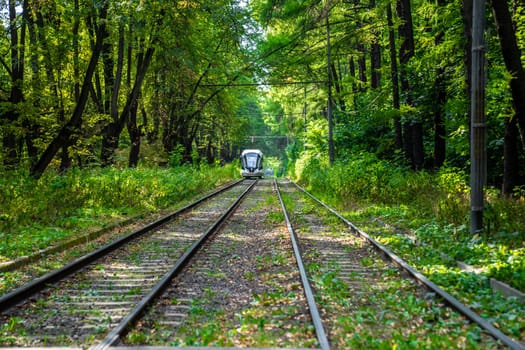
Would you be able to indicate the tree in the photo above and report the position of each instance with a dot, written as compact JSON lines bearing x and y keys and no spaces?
{"x":75,"y":122}
{"x":78,"y":59}
{"x":512,"y":58}
{"x":394,"y":75}
{"x":11,"y":115}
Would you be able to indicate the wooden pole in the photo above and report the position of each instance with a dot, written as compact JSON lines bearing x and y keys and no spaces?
{"x":478,"y":153}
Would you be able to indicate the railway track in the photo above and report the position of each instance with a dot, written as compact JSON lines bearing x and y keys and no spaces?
{"x":374,"y":295}
{"x":270,"y":266}
{"x":99,"y":291}
{"x":242,"y":288}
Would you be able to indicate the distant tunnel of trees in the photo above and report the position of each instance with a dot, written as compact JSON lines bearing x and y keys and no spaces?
{"x":81,"y":79}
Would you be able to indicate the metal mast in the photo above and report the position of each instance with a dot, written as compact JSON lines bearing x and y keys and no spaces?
{"x":478,"y":153}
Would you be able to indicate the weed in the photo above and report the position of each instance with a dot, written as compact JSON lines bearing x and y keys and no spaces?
{"x":136,"y":337}
{"x":274,"y":217}
{"x":36,"y":214}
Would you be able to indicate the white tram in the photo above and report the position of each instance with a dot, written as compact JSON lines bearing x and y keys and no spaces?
{"x":252,"y":163}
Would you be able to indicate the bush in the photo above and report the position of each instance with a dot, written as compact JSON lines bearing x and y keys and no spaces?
{"x":444,"y":196}
{"x":36,"y":213}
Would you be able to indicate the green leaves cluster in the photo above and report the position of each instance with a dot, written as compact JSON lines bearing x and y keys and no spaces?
{"x":162,"y":73}
{"x":367,"y":68}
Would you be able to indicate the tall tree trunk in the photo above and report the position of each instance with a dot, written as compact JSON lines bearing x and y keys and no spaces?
{"x":361,"y":58}
{"x":74,"y":124}
{"x":512,"y":57}
{"x":11,"y":115}
{"x":76,"y":49}
{"x":111,"y":136}
{"x":440,"y":133}
{"x":109,"y":141}
{"x":394,"y":77}
{"x":134,"y":135}
{"x":351,"y":67}
{"x":414,"y":127}
{"x":109,"y":66}
{"x":338,"y":88}
{"x":466,"y":11}
{"x":30,"y":125}
{"x":375,"y":57}
{"x":375,"y":65}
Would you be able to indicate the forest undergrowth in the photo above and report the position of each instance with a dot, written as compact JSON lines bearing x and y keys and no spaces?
{"x":423,"y":217}
{"x":36,"y":214}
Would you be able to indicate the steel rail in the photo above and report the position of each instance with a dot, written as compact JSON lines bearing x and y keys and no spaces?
{"x":116,"y":333}
{"x":448,"y":298}
{"x":12,"y":298}
{"x":314,"y":312}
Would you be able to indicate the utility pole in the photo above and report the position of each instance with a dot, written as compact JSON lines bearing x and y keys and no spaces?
{"x":304,"y":115}
{"x":478,"y":126}
{"x":329,"y":82}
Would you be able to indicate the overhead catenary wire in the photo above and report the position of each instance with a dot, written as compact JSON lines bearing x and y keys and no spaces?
{"x":266,"y":83}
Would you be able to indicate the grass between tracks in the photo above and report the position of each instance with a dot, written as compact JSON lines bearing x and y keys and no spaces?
{"x":251,"y":295}
{"x":423,"y":217}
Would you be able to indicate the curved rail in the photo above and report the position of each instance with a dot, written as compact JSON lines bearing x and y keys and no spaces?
{"x":456,"y":304}
{"x":116,"y":333}
{"x":314,"y":312}
{"x":10,"y":299}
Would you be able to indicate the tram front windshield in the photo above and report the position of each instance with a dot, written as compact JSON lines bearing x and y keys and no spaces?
{"x":251,"y":160}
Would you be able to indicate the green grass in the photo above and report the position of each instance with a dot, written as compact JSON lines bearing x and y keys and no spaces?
{"x":434,"y":207}
{"x":35,"y":214}
{"x":392,"y":314}
{"x":421,"y":216}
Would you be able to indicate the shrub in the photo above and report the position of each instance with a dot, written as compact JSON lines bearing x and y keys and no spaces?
{"x":37,"y":213}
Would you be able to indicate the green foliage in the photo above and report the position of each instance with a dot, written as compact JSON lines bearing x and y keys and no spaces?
{"x":36,"y":214}
{"x":198,"y":46}
{"x":443,"y":195}
{"x":176,"y":156}
{"x":512,"y":271}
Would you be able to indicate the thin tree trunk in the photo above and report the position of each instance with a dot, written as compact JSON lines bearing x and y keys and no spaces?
{"x":511,"y":159}
{"x":10,"y":139}
{"x":76,"y":49}
{"x":351,"y":67}
{"x":74,"y":124}
{"x":375,"y":57}
{"x":440,"y":133}
{"x":30,"y":125}
{"x":135,"y":136}
{"x":511,"y":56}
{"x":361,"y":60}
{"x":338,"y":88}
{"x":467,"y":32}
{"x":413,"y":128}
{"x":394,"y":77}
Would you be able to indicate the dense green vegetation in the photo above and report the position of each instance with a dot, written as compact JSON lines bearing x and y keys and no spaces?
{"x":367,"y":103}
{"x":36,"y":214}
{"x":433,"y":207}
{"x":88,"y":83}
{"x":396,"y":148}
